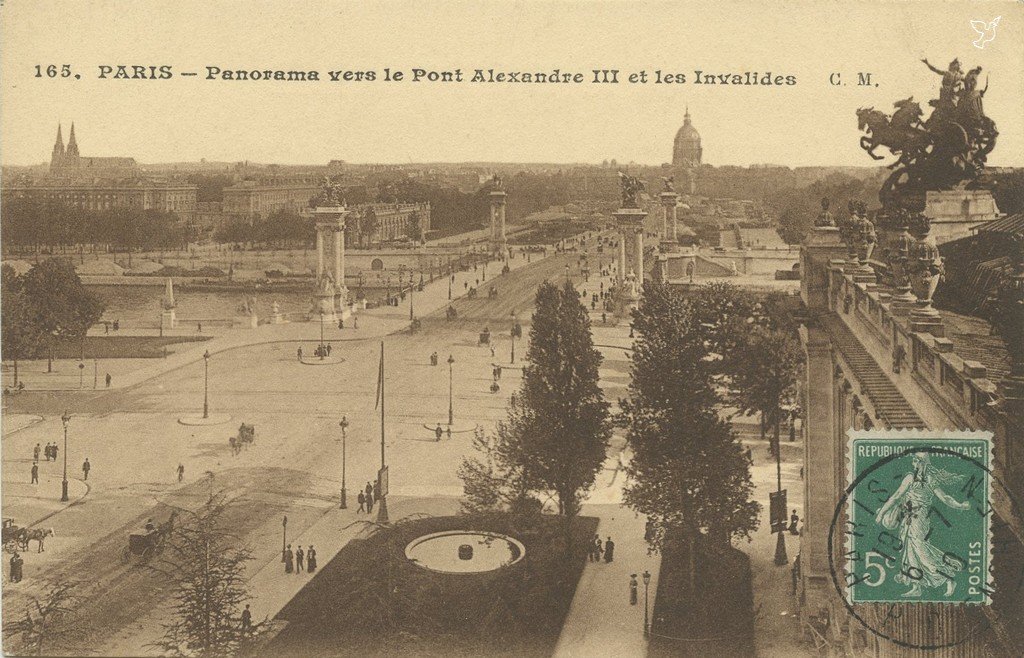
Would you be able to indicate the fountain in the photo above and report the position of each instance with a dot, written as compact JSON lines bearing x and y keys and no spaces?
{"x":464,"y":551}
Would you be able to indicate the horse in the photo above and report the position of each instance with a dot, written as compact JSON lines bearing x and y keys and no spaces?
{"x":167,"y":527}
{"x":899,"y":133}
{"x":236,"y":445}
{"x":38,"y":534}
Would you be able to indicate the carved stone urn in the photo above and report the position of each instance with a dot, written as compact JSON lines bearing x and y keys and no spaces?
{"x":926,"y":268}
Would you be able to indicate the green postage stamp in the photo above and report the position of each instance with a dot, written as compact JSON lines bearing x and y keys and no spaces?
{"x":918,"y":517}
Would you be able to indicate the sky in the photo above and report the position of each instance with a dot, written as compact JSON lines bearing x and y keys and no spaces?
{"x":185,"y":119}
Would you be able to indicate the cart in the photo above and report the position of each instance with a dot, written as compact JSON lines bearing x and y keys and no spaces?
{"x":143,"y":545}
{"x":13,"y":536}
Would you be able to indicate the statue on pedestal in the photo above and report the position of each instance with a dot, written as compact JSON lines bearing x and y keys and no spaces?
{"x":824,"y":218}
{"x":631,"y":189}
{"x":330,"y":195}
{"x":669,"y":183}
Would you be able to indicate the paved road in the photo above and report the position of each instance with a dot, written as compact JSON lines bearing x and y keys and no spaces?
{"x":135,"y":444}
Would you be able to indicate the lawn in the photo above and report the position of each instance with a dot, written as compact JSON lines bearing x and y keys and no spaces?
{"x":371,"y":601}
{"x":715,"y":620}
{"x":120,"y":347}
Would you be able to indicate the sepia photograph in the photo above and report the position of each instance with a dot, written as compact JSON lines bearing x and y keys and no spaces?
{"x":552,"y":329}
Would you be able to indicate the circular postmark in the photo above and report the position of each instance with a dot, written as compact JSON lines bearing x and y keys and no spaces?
{"x":895,"y":527}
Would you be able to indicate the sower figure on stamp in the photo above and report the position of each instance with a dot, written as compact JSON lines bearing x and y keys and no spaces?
{"x":921,"y":562}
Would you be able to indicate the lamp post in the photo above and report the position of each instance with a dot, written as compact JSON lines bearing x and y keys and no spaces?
{"x":411,"y":287}
{"x":449,"y":289}
{"x":513,"y":333}
{"x":284,"y":537}
{"x":206,"y":384}
{"x":451,"y":361}
{"x":65,"y":419}
{"x":647,"y":583}
{"x":81,"y":374}
{"x":344,"y":426}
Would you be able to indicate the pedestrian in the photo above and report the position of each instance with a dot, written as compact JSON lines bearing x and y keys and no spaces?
{"x":35,"y":473}
{"x":598,"y":548}
{"x":181,"y":472}
{"x":289,"y":558}
{"x":437,"y":432}
{"x":793,"y":520}
{"x":341,"y":324}
{"x":298,"y":353}
{"x":328,"y":349}
{"x":362,"y":501}
{"x":199,"y":327}
{"x":492,"y":351}
{"x":499,"y":373}
{"x":106,"y":327}
{"x":368,"y":488}
{"x":16,"y":567}
{"x":54,"y":451}
{"x":310,"y":560}
{"x":633,"y":585}
{"x":86,"y":467}
{"x":300,"y":557}
{"x":604,"y":318}
{"x":108,"y":380}
{"x":649,"y":530}
{"x":609,"y":550}
{"x":369,"y":502}
{"x":246,"y":620}
{"x":449,"y":432}
{"x":355,"y":322}
{"x":35,"y":453}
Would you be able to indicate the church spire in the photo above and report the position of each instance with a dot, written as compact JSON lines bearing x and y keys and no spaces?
{"x":72,"y":144}
{"x":58,"y":147}
{"x":686,"y":117}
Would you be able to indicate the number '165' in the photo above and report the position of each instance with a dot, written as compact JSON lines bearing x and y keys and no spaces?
{"x":52,"y":71}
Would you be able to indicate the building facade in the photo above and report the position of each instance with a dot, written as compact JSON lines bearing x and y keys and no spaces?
{"x":870,"y":365}
{"x":251,"y":200}
{"x":164,"y":196}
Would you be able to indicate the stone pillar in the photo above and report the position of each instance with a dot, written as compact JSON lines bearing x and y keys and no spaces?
{"x":819,"y":465}
{"x":319,"y":254}
{"x":669,"y":231}
{"x":620,"y":275}
{"x":638,"y":246}
{"x":498,"y":243}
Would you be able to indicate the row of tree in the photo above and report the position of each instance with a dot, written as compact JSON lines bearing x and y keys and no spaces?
{"x":693,"y":356}
{"x":52,"y":225}
{"x":45,"y":305}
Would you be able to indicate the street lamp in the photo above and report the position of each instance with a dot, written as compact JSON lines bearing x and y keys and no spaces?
{"x":344,"y":426}
{"x":206,"y":384}
{"x":65,"y":419}
{"x":449,"y":289}
{"x":451,"y":360}
{"x":411,"y":316}
{"x":81,"y":374}
{"x":513,"y":333}
{"x":647,"y":582}
{"x":284,"y":538}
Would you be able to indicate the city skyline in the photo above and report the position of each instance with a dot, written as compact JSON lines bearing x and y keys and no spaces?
{"x":421,"y":122}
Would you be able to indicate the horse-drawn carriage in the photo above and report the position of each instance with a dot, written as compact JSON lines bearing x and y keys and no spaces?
{"x":492,"y":293}
{"x":149,"y":542}
{"x":245,"y":437}
{"x":13,"y":536}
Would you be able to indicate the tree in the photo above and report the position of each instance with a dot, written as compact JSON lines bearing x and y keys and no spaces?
{"x":61,"y":307}
{"x":688,"y":471}
{"x":207,"y":569}
{"x":47,"y":619}
{"x":566,"y":421}
{"x":764,"y":377}
{"x":19,"y":334}
{"x":557,"y":429}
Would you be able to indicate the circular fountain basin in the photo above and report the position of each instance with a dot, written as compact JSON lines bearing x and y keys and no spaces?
{"x":464,"y":551}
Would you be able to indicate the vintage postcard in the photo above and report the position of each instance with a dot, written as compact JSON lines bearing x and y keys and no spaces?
{"x":604,"y":328}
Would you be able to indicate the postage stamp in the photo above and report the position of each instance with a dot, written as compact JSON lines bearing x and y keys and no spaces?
{"x":919,"y":518}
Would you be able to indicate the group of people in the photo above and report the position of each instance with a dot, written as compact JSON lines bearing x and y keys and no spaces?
{"x":299,"y":560}
{"x":371,"y":493}
{"x":49,"y":452}
{"x":599,"y":549}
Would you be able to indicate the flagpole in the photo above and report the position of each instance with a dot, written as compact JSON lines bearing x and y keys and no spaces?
{"x":382,"y":510}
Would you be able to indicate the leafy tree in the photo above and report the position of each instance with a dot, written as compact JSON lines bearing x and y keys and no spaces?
{"x":208,"y":571}
{"x":557,"y":429}
{"x":20,"y":337}
{"x":48,"y":619}
{"x":566,"y":420}
{"x":764,"y":377}
{"x":688,"y":471}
